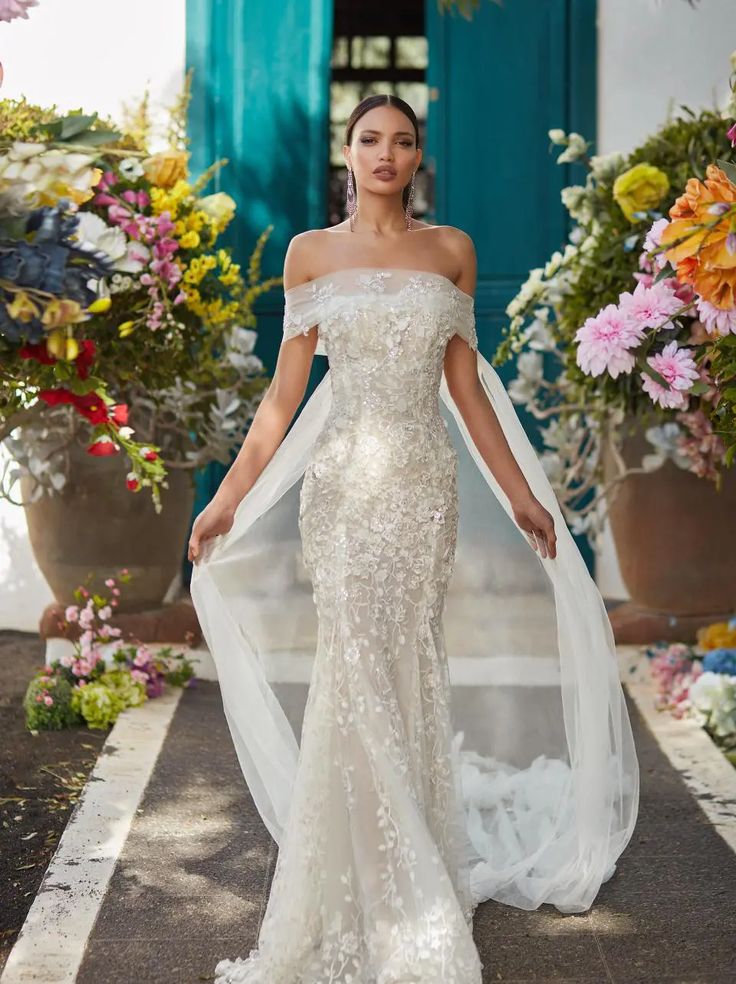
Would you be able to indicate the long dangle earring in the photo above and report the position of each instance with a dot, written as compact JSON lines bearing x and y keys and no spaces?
{"x":410,"y":202}
{"x":351,"y":201}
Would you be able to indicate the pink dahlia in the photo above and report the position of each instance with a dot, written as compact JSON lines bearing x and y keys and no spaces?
{"x":652,"y":240}
{"x":678,"y":368}
{"x":10,"y":9}
{"x":650,"y":305}
{"x":722,"y":321}
{"x":605,"y":341}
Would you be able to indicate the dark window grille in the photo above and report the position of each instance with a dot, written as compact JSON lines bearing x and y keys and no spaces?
{"x":377,"y":47}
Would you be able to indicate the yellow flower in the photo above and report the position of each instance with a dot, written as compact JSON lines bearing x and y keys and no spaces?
{"x":199,"y":267}
{"x":62,"y":312}
{"x":61,"y":346}
{"x":99,"y":306}
{"x":716,"y":635}
{"x":190,"y":240}
{"x":171,"y":200}
{"x":220,"y":208}
{"x":126,"y":328}
{"x":166,"y":168}
{"x":640,"y":188}
{"x":23,"y":308}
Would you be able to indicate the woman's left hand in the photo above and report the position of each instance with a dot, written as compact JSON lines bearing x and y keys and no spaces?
{"x":538,"y":525}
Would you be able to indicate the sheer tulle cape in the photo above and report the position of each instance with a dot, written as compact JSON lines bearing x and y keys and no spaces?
{"x":543,"y":750}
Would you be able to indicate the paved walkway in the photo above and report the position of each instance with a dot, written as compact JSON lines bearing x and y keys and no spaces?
{"x":190,"y":883}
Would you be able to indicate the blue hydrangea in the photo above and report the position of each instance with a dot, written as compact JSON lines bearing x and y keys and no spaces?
{"x":49,"y":259}
{"x":720,"y":661}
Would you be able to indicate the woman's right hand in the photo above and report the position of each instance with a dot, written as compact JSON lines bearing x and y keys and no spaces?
{"x":215,"y":518}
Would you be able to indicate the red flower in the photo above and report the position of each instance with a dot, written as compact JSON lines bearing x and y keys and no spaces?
{"x":38,"y":351}
{"x":132,"y":482}
{"x":119,"y":414}
{"x":103,"y":447}
{"x":88,"y":404}
{"x":150,"y":455}
{"x":85,"y":358}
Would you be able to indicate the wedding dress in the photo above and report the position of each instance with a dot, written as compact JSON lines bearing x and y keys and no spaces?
{"x":464,"y":734}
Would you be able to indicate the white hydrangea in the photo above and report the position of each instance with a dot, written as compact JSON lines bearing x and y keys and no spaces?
{"x":606,"y":167}
{"x":713,"y":702}
{"x":525,"y":387}
{"x":577,"y":147}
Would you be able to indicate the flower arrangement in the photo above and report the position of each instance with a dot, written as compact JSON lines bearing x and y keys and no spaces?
{"x":120,"y":313}
{"x":699,"y":681}
{"x":79,"y":688}
{"x":636,"y":317}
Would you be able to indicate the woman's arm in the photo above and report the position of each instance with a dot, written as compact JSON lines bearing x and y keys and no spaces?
{"x":270,"y":421}
{"x":466,"y":389}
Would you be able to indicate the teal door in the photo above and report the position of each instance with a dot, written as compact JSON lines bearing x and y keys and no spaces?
{"x":260,"y":98}
{"x":498,"y":84}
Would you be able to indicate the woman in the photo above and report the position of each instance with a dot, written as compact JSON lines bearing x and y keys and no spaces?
{"x":415,"y":533}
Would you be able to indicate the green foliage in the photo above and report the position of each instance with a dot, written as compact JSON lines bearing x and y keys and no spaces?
{"x":42,"y":716}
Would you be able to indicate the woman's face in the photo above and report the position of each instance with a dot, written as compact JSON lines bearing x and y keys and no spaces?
{"x":383,"y":151}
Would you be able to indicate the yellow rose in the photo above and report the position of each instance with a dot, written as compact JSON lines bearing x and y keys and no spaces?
{"x":22,"y":308}
{"x":640,"y":188}
{"x":166,"y":168}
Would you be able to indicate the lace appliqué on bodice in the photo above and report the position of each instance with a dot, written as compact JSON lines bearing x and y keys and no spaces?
{"x":401,"y":294}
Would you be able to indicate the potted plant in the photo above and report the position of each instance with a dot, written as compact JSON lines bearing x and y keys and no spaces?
{"x":126,"y":341}
{"x":635,"y":330}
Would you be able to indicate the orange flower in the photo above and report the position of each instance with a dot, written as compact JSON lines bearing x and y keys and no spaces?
{"x":706,"y":258}
{"x":715,"y":636}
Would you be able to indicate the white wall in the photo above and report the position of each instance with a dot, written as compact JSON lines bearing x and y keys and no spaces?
{"x":94,"y":55}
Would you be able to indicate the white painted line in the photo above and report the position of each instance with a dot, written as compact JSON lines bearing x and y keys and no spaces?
{"x":706,"y":771}
{"x":52,"y":940}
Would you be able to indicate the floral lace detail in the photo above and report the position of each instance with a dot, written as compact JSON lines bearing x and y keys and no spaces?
{"x":374,"y":281}
{"x":308,"y":303}
{"x":369,"y":885}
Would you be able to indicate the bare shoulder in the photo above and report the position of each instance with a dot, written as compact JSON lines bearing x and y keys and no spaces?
{"x":462,"y":248}
{"x":458,"y":241}
{"x":300,"y":256}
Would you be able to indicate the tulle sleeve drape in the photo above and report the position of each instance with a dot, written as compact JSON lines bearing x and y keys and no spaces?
{"x":302,"y":307}
{"x":543,"y":752}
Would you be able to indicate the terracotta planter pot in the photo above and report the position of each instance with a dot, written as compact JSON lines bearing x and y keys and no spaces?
{"x":672,"y":532}
{"x":96,"y":525}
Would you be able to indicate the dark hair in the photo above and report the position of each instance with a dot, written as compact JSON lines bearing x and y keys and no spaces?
{"x":382,"y":99}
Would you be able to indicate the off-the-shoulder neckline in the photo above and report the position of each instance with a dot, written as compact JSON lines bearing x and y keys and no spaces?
{"x":374,"y":269}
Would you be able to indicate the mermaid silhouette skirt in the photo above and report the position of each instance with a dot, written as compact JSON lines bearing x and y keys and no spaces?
{"x":388,"y":835}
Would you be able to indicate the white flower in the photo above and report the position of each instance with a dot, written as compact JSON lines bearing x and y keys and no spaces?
{"x":557,"y":137}
{"x":127,"y":255}
{"x":576,"y":148}
{"x":664,"y":439}
{"x":606,"y":167}
{"x":130,"y":168}
{"x":524,"y":388}
{"x":713,"y":700}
